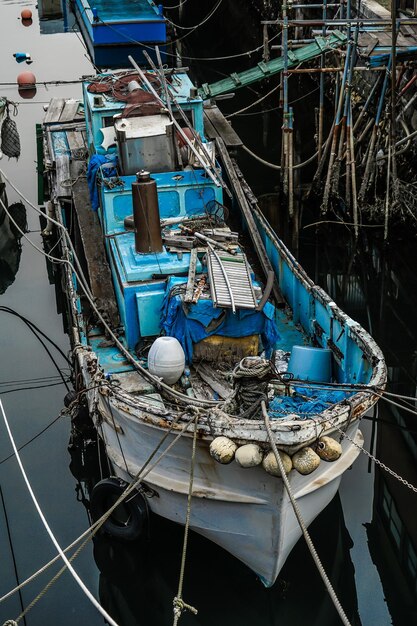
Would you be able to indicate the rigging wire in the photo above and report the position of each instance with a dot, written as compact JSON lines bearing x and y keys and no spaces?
{"x":91,"y":530}
{"x":189,"y":58}
{"x":206,"y":19}
{"x":29,"y":441}
{"x":72,"y":571}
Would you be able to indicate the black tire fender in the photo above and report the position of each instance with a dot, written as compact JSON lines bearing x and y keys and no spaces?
{"x":129,"y":520}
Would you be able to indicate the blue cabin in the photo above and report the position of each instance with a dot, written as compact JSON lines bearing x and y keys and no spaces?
{"x":146,"y":142}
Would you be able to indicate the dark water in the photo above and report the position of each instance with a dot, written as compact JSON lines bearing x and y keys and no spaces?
{"x":365,"y":537}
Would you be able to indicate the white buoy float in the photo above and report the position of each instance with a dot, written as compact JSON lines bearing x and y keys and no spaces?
{"x":328,"y":449}
{"x":249,"y":455}
{"x":223,"y":449}
{"x":271,"y":466}
{"x":305,"y":460}
{"x":166,"y":359}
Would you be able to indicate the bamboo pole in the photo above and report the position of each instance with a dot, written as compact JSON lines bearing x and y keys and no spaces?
{"x":353,"y":175}
{"x":370,"y":158}
{"x":285,"y":95}
{"x":321,"y":99}
{"x":367,"y":102}
{"x":348,"y":196}
{"x":290,"y":164}
{"x":387,"y":196}
{"x":336,"y":130}
{"x":393,"y":130}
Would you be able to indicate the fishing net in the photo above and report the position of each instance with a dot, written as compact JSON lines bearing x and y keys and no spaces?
{"x":10,"y":140}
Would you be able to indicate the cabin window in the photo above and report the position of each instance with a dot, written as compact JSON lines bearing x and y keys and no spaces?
{"x":107,"y":121}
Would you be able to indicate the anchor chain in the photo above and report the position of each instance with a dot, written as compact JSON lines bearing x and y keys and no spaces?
{"x":380,"y":463}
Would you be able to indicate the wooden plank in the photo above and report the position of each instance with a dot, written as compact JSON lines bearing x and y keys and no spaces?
{"x":68,"y":126}
{"x":222,"y":127}
{"x":306,"y":53}
{"x":250,"y":220}
{"x":76,"y":144}
{"x":69,"y":111}
{"x":209,"y":130}
{"x":54,"y":111}
{"x":63,"y":176}
{"x":98,"y":268}
{"x":189,"y":292}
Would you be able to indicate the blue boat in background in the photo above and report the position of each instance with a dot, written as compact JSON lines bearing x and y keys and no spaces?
{"x":193,"y":327}
{"x":114,"y":30}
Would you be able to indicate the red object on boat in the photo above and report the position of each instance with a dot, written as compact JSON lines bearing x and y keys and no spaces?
{"x":26,"y":80}
{"x":26,"y":14}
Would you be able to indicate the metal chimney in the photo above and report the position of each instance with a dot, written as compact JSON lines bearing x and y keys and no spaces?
{"x":146,"y":214}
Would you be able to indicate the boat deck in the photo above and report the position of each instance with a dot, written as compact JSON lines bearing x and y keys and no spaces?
{"x":125,"y":10}
{"x":114,"y":30}
{"x":66,"y":149}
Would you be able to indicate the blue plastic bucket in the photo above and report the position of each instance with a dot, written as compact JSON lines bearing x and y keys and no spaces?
{"x":308,"y":363}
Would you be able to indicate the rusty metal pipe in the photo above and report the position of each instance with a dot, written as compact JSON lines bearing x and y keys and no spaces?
{"x":146,"y":214}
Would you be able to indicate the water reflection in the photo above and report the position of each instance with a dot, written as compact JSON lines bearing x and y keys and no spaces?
{"x":10,"y":236}
{"x":376,"y":282}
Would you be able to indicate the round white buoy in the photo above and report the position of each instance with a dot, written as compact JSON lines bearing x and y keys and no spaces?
{"x":223,"y":449}
{"x":305,"y":461}
{"x":249,"y":455}
{"x":328,"y":449}
{"x":166,"y":359}
{"x":271,"y":466}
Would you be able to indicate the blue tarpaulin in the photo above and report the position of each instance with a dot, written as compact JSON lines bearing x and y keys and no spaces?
{"x":95,"y":163}
{"x":192,"y":323}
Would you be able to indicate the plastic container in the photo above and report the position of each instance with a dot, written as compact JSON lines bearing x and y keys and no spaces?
{"x":166,"y":359}
{"x":308,"y":363}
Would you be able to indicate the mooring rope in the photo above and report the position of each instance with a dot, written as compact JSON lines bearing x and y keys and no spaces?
{"x":72,"y":571}
{"x":88,"y":534}
{"x":300,"y":520}
{"x":178,"y":602}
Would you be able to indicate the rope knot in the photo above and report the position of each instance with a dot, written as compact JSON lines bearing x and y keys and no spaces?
{"x":10,"y":622}
{"x":180,"y":606}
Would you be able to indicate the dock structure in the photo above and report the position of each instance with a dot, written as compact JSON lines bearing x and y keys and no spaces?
{"x":369,"y":61}
{"x":65,"y":158}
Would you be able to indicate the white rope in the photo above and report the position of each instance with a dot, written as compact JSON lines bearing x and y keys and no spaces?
{"x":300,"y":520}
{"x":94,"y":527}
{"x":87,"y":592}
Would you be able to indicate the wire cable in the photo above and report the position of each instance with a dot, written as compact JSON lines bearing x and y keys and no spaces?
{"x":206,"y":19}
{"x":72,"y":571}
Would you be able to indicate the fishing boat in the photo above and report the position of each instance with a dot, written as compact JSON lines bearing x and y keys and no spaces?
{"x":113,"y":30}
{"x":198,"y":340}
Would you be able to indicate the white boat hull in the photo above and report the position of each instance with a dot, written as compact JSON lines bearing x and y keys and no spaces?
{"x":245,"y":511}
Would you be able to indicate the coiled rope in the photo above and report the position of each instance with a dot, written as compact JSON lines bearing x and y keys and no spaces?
{"x":251,"y":376}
